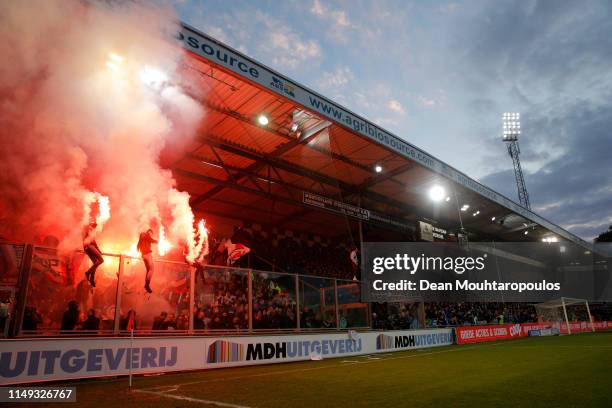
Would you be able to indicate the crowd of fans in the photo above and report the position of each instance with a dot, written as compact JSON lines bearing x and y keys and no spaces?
{"x":478,"y":313}
{"x":392,"y":317}
{"x":222,"y":301}
{"x":274,"y":308}
{"x":72,"y":319}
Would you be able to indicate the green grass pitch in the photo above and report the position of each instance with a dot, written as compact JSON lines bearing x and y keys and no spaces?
{"x":568,"y":371}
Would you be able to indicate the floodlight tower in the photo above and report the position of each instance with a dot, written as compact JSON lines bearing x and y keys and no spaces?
{"x":512,"y":131}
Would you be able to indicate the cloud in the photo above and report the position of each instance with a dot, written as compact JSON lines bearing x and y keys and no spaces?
{"x":267,"y":37}
{"x":447,"y":8}
{"x":338,"y":17}
{"x":287,"y":49}
{"x":574,"y":187}
{"x":395,"y":106}
{"x":294,"y":50}
{"x":338,"y":78}
{"x":218,"y":33}
{"x":550,"y":61}
{"x":427,"y":102}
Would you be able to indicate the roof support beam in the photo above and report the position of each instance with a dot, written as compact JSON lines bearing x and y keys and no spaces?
{"x":347,"y":189}
{"x":386,"y":175}
{"x":249,"y":190}
{"x":248,"y":120}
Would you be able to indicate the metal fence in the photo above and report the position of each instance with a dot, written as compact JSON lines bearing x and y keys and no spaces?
{"x":206,"y":300}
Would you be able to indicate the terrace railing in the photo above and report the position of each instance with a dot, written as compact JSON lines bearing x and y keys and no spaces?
{"x":205,"y":300}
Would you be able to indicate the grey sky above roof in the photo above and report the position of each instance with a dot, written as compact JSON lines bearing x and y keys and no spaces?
{"x":441,"y":74}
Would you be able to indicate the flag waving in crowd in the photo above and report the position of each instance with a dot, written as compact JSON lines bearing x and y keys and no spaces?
{"x":235,"y":251}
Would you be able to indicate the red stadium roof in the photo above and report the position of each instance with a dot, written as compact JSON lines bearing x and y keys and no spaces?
{"x":240,"y":169}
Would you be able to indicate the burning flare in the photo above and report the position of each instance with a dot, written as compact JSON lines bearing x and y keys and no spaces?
{"x":198,"y":250}
{"x":163,"y":245}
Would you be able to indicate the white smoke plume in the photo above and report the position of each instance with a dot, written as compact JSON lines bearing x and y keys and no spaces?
{"x":89,"y":97}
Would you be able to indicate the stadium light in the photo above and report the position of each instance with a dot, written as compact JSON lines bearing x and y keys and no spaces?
{"x":512,"y":126}
{"x":492,"y":218}
{"x":526,"y":232}
{"x":263,"y":120}
{"x":465,"y":207}
{"x":153,"y":77}
{"x":437,"y":193}
{"x":114,"y":61}
{"x":378,"y":168}
{"x":447,"y":199}
{"x":475,"y":213}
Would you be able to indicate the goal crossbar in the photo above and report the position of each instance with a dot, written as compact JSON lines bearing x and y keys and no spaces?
{"x":562,"y":304}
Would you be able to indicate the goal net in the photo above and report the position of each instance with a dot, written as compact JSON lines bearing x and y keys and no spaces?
{"x":568,"y":315}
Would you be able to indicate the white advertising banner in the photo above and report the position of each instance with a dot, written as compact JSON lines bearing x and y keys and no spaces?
{"x":24,"y":361}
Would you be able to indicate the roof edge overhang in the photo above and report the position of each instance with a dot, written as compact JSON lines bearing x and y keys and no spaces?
{"x":247,"y":68}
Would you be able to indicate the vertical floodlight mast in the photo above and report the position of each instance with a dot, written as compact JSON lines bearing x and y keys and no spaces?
{"x":511,"y":133}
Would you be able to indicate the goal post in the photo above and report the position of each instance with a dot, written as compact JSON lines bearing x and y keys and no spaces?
{"x":565,"y":310}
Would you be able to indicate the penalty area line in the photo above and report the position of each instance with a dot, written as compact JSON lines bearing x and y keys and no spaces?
{"x":191,"y":399}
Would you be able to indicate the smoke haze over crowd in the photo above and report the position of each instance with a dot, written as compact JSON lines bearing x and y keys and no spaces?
{"x":87,"y":103}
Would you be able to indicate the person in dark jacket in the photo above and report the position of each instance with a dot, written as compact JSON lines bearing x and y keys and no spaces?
{"x":71,"y":317}
{"x":144,"y":247}
{"x":92,"y":322}
{"x":128,"y":323}
{"x":93,"y":252}
{"x":198,"y":320}
{"x":158,"y":322}
{"x":31,"y":319}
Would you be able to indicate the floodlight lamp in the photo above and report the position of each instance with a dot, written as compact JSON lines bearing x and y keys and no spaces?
{"x":153,"y":77}
{"x":378,"y":168}
{"x":115,"y":57}
{"x":437,"y":193}
{"x":263,"y":120}
{"x":114,"y":61}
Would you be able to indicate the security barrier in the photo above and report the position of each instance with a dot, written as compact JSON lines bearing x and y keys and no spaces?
{"x":211,"y":299}
{"x":30,"y":360}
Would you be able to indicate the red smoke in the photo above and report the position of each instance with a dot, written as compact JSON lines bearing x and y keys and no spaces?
{"x":88,"y":100}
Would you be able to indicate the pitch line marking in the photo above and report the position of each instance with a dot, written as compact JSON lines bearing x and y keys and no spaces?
{"x":299,"y":370}
{"x":191,"y":399}
{"x":561,"y":346}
